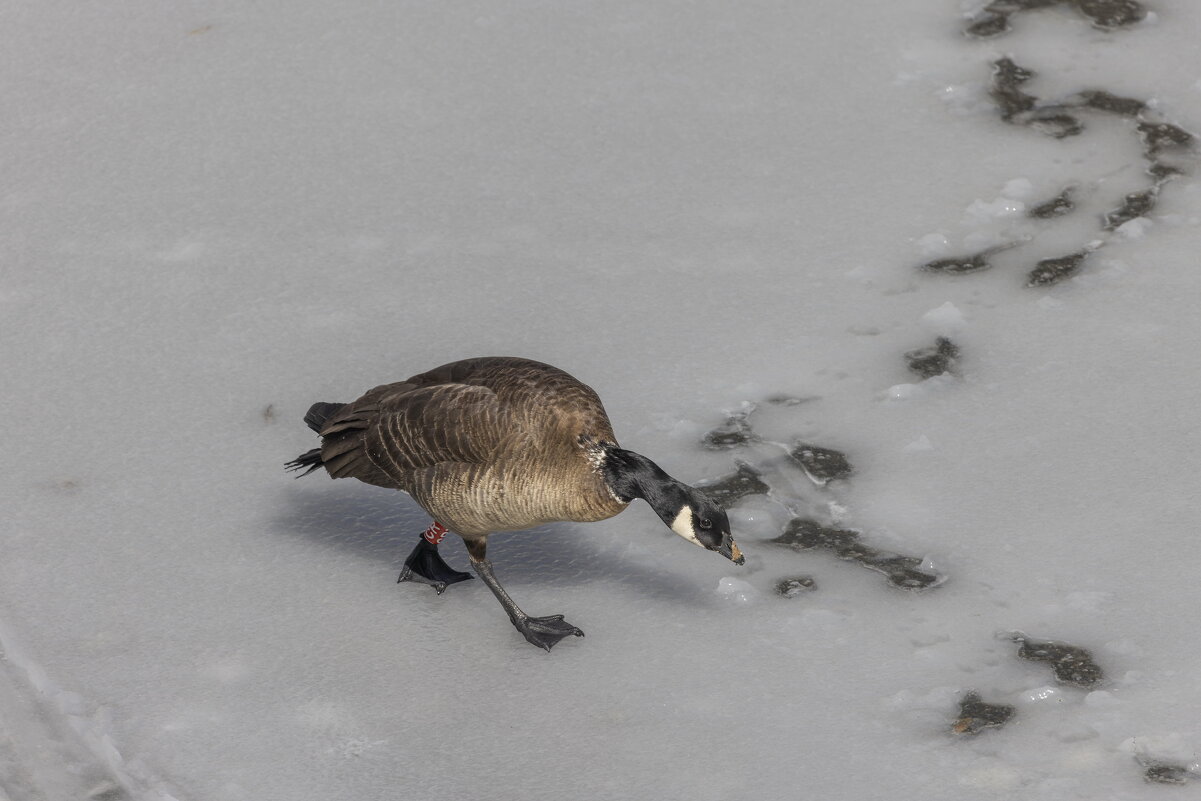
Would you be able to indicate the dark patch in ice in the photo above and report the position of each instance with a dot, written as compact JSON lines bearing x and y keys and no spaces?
{"x":734,"y":432}
{"x":1071,"y":663}
{"x":730,"y":489}
{"x":1163,"y":172}
{"x":803,"y":533}
{"x":972,"y":263}
{"x":935,"y":360}
{"x":1052,"y":121}
{"x":1101,"y":100}
{"x":1111,"y":14}
{"x":993,"y":19}
{"x":902,"y":571}
{"x":1166,"y":773}
{"x":821,"y":464}
{"x":787,"y":400}
{"x":1021,"y":108}
{"x":975,"y":715}
{"x":1160,"y":136}
{"x":269,"y":413}
{"x":792,"y":587}
{"x":986,"y":25}
{"x":107,"y":792}
{"x":1136,"y":205}
{"x":1053,"y":270}
{"x":1057,"y":206}
{"x":958,"y":265}
{"x":1007,"y":79}
{"x":1059,"y":119}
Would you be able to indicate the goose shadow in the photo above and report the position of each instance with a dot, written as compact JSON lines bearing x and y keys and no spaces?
{"x":384,"y":527}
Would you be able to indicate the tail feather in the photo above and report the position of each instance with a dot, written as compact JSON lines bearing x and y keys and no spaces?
{"x":310,"y":459}
{"x":320,"y":412}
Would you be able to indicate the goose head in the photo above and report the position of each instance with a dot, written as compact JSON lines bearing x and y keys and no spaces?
{"x":686,"y":510}
{"x":702,"y":521}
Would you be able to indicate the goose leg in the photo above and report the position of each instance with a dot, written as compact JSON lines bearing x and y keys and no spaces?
{"x":426,"y":566}
{"x":543,"y":632}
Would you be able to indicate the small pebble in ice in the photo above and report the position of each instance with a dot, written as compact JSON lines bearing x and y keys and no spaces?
{"x":944,"y":319}
{"x":792,"y":587}
{"x":975,"y":715}
{"x":736,"y":590}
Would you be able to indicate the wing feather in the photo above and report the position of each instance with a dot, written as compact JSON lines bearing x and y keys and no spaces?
{"x":422,"y":427}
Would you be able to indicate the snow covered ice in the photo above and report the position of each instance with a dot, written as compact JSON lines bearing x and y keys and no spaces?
{"x":216,"y":214}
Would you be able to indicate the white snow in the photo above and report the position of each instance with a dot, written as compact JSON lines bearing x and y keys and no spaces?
{"x":217,"y":214}
{"x":945,"y":319}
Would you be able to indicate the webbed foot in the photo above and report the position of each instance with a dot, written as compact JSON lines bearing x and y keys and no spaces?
{"x":545,"y":632}
{"x":426,"y":566}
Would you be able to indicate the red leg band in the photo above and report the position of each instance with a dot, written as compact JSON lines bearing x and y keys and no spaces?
{"x":435,"y":533}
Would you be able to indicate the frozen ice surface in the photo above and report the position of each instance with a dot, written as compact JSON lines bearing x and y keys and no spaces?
{"x":217,"y":214}
{"x":944,"y":319}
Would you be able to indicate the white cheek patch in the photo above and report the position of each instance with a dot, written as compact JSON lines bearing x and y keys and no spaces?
{"x":682,"y":525}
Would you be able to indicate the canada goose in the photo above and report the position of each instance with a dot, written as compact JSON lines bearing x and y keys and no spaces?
{"x":500,"y":444}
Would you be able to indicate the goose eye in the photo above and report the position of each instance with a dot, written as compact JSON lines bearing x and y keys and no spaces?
{"x":706,"y":523}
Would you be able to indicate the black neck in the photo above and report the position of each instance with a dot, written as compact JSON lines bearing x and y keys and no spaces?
{"x":631,"y":475}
